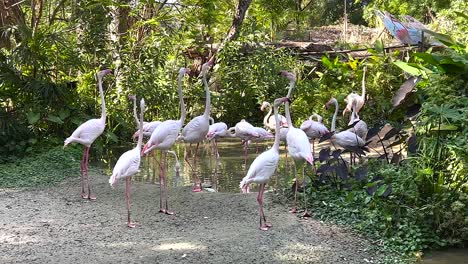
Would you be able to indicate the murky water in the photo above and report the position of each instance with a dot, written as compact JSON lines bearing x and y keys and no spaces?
{"x":448,"y":256}
{"x":221,"y":174}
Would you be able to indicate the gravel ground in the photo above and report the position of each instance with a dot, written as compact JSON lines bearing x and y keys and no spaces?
{"x":54,"y":225}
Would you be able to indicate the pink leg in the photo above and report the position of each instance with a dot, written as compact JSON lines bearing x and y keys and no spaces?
{"x":90,"y":196}
{"x":128,"y":183}
{"x":216,"y":148}
{"x":166,"y":186}
{"x":186,"y":156}
{"x":82,"y":164}
{"x":161,"y":184}
{"x":306,"y":213}
{"x":263,"y":226}
{"x":294,"y":209}
{"x":197,"y":186}
{"x":246,"y":145}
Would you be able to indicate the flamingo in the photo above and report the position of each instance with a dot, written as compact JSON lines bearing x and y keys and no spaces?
{"x":263,"y":167}
{"x":345,"y":139}
{"x":197,"y":129}
{"x":215,"y":131}
{"x":148,"y":127}
{"x":163,"y":138}
{"x":85,"y":135}
{"x":360,"y":127}
{"x":128,"y":164}
{"x":268,"y":121}
{"x":314,"y":129}
{"x":262,"y":135}
{"x":298,"y":145}
{"x":245,"y":131}
{"x":354,"y":96}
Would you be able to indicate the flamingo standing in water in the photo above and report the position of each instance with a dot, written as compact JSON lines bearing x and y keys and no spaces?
{"x":128,"y":164}
{"x":354,"y":96}
{"x":197,"y":129}
{"x":163,"y":138}
{"x":216,"y":131}
{"x":85,"y":135}
{"x":314,"y":129}
{"x":148,"y":127}
{"x":269,"y":121}
{"x":245,"y":131}
{"x":298,"y":145}
{"x":263,"y":167}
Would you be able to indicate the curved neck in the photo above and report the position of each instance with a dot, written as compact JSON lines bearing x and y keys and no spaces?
{"x":265,"y":119}
{"x":288,"y":114}
{"x":277,"y":128}
{"x":363,"y":92}
{"x":135,"y":115}
{"x":208,"y":100}
{"x":181,"y":99}
{"x":232,"y":132}
{"x":103,"y":103}
{"x":291,"y":87}
{"x":140,"y":135}
{"x":334,"y":117}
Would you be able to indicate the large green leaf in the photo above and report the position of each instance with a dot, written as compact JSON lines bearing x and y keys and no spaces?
{"x":408,"y":68}
{"x":33,"y":117}
{"x":54,"y":119}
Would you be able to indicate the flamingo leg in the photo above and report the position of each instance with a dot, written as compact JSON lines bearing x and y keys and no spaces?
{"x":166,"y":188}
{"x":90,"y":196}
{"x":82,"y":164}
{"x":216,"y":148}
{"x":161,"y":184}
{"x":128,"y":183}
{"x":197,"y":185}
{"x":306,"y":213}
{"x":186,"y":156}
{"x":263,"y":226}
{"x":246,"y":145}
{"x":294,"y":209}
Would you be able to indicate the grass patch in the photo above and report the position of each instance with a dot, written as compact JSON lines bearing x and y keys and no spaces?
{"x":42,"y":169}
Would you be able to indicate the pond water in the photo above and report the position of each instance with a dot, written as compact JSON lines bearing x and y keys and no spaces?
{"x":221,"y":174}
{"x":448,"y":256}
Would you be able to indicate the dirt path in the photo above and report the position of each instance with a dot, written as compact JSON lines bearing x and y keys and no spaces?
{"x":53,"y":225}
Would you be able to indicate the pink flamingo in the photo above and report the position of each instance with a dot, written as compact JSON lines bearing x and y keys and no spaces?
{"x":262,"y":135}
{"x":360,"y":127}
{"x":263,"y":167}
{"x":128,"y":164}
{"x":268,"y":121}
{"x":298,"y":145}
{"x":216,"y":130}
{"x":360,"y":99}
{"x":245,"y":131}
{"x":163,"y":138}
{"x":85,"y":135}
{"x":197,"y":129}
{"x":345,"y":139}
{"x":148,"y":127}
{"x":314,"y":129}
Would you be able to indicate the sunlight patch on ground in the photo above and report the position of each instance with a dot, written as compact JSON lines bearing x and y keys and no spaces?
{"x":292,"y":251}
{"x":179,"y":246}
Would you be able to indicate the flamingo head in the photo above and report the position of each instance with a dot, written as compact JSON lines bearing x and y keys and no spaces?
{"x":281,"y":100}
{"x":330,"y":102}
{"x":142,"y":105}
{"x":101,"y":74}
{"x":183,"y":71}
{"x":207,"y":65}
{"x":131,"y":97}
{"x":289,"y":75}
{"x":264,"y":105}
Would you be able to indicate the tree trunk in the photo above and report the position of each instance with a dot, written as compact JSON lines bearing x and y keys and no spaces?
{"x":10,"y":14}
{"x":119,"y":29}
{"x":234,"y":31}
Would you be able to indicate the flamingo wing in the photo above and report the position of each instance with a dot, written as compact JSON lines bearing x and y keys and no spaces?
{"x":262,"y":168}
{"x":196,"y":130}
{"x":87,"y":132}
{"x":126,"y":166}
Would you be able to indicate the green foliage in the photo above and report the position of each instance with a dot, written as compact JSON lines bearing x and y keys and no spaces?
{"x":41,"y":169}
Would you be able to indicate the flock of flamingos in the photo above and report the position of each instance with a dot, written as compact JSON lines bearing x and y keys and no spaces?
{"x":163,"y":136}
